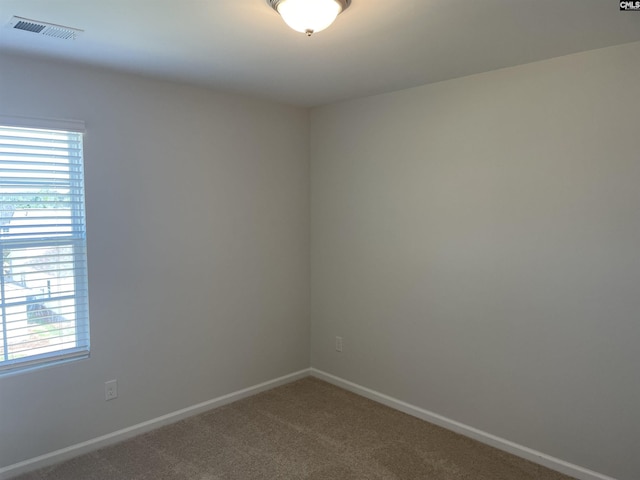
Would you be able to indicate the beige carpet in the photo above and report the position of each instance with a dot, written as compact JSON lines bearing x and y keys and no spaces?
{"x":305,"y":430}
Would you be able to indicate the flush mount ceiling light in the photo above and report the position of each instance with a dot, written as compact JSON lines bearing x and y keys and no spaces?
{"x":309,"y":16}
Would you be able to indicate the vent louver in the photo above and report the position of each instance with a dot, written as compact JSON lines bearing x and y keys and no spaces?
{"x":44,"y":28}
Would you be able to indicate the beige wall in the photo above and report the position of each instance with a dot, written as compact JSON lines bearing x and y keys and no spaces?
{"x":198,"y":240}
{"x":476,"y":243}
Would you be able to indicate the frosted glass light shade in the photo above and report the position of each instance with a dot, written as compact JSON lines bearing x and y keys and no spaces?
{"x":309,"y":16}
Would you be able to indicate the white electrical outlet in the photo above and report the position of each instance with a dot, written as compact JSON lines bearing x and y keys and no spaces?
{"x":338,"y":344}
{"x":110,"y":389}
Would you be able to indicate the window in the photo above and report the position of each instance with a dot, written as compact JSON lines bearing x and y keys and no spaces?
{"x":43,"y":287}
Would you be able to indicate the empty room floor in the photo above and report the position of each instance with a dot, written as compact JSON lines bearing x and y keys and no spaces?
{"x":308,"y":429}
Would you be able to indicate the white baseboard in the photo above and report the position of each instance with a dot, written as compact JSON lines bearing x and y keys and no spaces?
{"x":500,"y":443}
{"x":120,"y":435}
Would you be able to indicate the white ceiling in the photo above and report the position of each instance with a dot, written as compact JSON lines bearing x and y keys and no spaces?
{"x":375,"y":46}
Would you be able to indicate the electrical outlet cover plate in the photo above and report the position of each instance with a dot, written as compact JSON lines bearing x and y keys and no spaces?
{"x":110,"y":389}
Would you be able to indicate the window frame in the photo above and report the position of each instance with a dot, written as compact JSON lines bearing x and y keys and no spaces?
{"x":78,"y":245}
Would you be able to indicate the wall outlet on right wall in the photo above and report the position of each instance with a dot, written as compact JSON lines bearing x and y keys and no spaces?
{"x":338,"y":344}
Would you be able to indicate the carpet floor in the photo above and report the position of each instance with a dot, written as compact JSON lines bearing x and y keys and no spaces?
{"x":308,"y":430}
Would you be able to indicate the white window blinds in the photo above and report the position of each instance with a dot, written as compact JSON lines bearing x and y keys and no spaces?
{"x":43,"y":287}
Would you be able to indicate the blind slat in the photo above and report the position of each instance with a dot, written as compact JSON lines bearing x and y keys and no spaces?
{"x":60,"y":338}
{"x":57,"y":298}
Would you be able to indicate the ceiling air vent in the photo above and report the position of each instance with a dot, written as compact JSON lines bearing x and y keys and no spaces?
{"x":43,"y":28}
